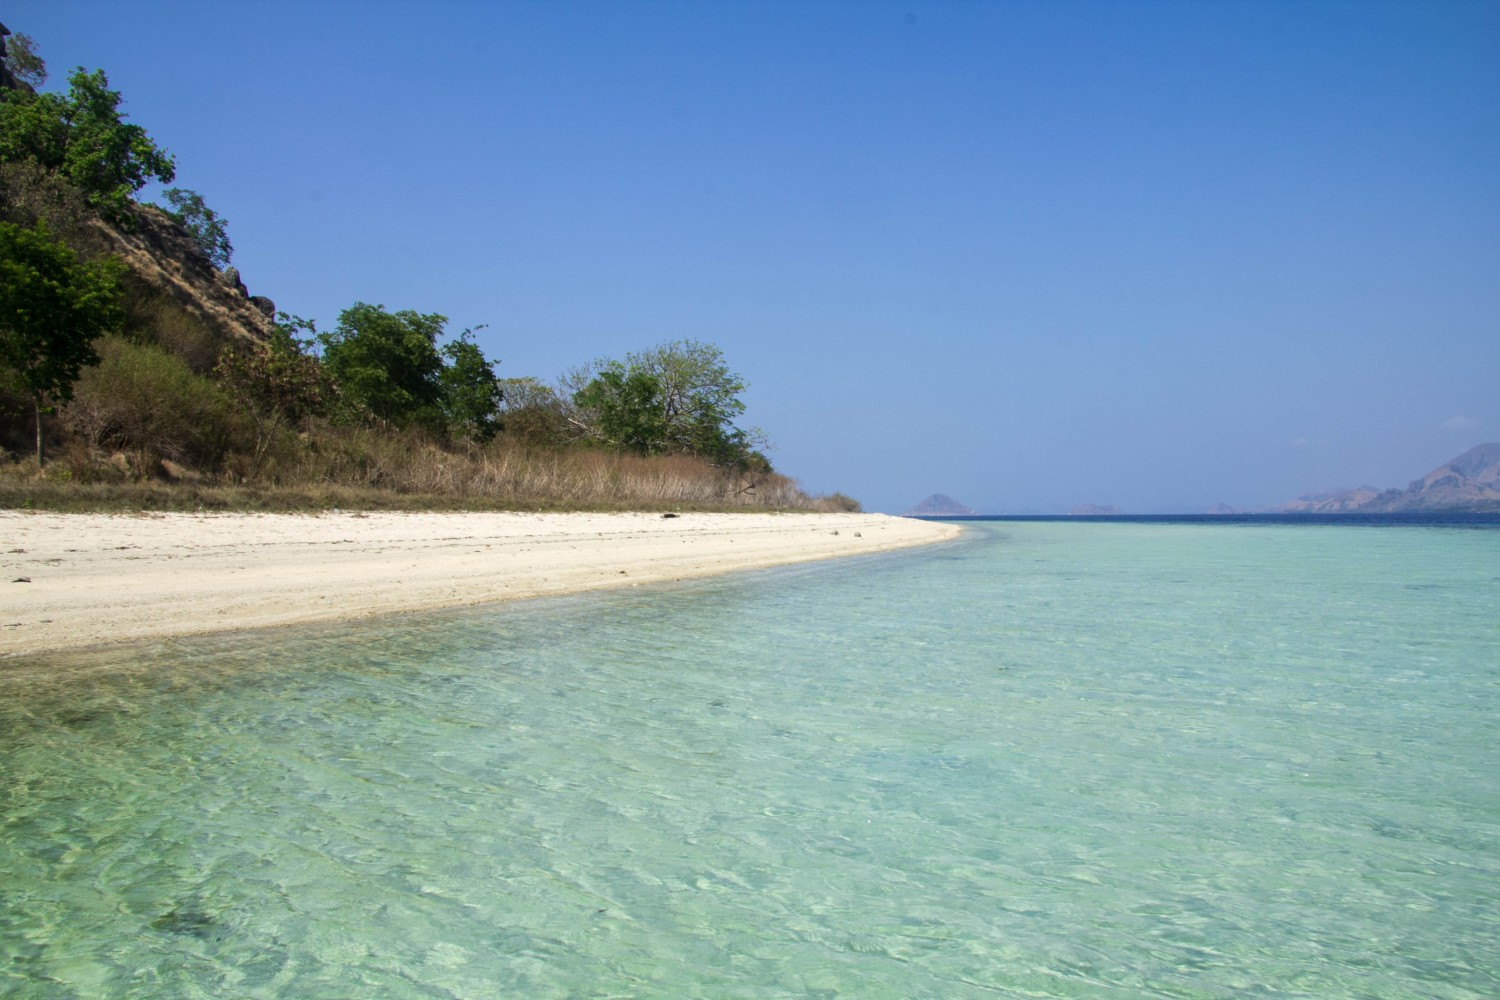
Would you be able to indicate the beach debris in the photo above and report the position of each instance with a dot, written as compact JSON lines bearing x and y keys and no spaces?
{"x":665,"y":516}
{"x":858,"y":535}
{"x":21,"y":579}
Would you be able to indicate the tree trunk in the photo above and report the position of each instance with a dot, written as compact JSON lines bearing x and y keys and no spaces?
{"x":36,"y":400}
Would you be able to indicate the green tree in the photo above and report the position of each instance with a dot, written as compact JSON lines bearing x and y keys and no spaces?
{"x":471,"y":393}
{"x":677,"y":397}
{"x":277,"y":383}
{"x":207,"y":228}
{"x":52,"y":308}
{"x":85,"y":138}
{"x":22,"y":60}
{"x":626,"y":409}
{"x":386,"y":365}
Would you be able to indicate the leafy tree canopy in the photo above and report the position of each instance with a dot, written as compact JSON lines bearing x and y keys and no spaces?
{"x":676,"y":397}
{"x":386,"y":364}
{"x":84,"y":137}
{"x":627,"y":409}
{"x":52,"y":307}
{"x":471,"y":392}
{"x":22,"y":60}
{"x":207,"y":228}
{"x":388,"y":367}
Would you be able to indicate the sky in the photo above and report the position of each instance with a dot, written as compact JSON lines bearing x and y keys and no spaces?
{"x":1154,"y":255}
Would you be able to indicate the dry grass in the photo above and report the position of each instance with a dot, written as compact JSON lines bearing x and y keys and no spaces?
{"x":360,"y":469}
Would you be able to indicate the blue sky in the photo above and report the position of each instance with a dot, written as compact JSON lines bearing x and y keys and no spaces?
{"x":1155,"y":255}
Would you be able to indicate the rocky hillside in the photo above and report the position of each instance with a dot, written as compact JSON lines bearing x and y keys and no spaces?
{"x":162,"y":256}
{"x":1470,"y":482}
{"x":166,"y":269}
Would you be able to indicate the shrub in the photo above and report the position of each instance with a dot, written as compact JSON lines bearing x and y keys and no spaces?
{"x":140,"y":398}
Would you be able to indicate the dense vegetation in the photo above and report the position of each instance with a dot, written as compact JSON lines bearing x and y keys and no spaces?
{"x":113,"y":392}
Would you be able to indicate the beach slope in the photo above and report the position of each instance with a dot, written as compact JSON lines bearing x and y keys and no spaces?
{"x":75,"y":580}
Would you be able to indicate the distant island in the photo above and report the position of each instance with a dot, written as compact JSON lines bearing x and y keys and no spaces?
{"x":1468,"y":483}
{"x":940,"y":505}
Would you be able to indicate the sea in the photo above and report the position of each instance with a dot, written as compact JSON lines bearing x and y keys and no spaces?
{"x":1055,"y":758}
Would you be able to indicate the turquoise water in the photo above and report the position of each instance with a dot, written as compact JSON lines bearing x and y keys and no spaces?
{"x":1050,"y":760}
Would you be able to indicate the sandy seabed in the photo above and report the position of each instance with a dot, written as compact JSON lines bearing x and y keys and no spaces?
{"x":76,"y":580}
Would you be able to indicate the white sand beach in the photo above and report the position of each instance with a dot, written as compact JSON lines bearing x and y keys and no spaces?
{"x":75,"y":580}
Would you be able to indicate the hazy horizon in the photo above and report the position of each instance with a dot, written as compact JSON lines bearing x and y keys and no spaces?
{"x":1259,"y":508}
{"x":1157,"y":256}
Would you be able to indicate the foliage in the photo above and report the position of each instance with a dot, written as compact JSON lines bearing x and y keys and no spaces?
{"x":277,"y":383}
{"x":626,"y":407}
{"x":84,"y":137}
{"x":22,"y":60}
{"x":678,"y":397}
{"x":141,"y":399}
{"x":471,"y":393}
{"x":52,"y":307}
{"x":533,"y":416}
{"x":203,"y":224}
{"x":387,"y":365}
{"x":388,"y":368}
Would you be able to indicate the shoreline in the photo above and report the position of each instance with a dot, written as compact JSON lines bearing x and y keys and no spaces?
{"x":74,"y":581}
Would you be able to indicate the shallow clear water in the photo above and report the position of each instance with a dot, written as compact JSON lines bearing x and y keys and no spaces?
{"x":1051,"y":760}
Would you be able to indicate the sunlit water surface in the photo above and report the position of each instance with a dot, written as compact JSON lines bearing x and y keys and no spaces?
{"x":1050,"y":760}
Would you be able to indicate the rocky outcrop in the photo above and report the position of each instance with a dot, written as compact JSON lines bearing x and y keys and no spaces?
{"x":162,"y":256}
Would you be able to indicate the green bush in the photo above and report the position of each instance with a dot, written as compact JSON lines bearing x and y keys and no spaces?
{"x":141,"y":399}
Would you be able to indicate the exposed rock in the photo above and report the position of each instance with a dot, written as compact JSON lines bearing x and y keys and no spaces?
{"x":940,"y":505}
{"x":266,"y":306}
{"x":230,"y":277}
{"x":161,"y":254}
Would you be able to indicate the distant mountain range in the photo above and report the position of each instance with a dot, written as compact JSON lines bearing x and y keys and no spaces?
{"x":1470,"y":482}
{"x":940,"y":505}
